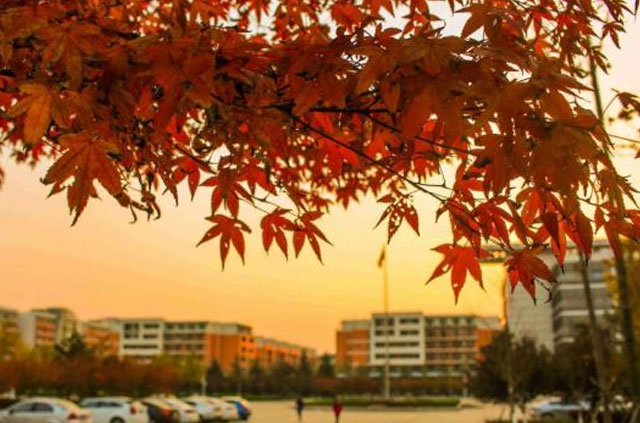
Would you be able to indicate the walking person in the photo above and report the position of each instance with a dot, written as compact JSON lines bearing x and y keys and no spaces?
{"x":337,"y":409}
{"x":299,"y":407}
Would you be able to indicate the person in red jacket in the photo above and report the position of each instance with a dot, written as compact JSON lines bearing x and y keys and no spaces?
{"x":337,"y":409}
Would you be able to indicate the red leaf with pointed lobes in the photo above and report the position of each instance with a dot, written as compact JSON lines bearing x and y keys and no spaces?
{"x":298,"y":240}
{"x":581,"y":233}
{"x":38,"y":107}
{"x":411,"y":215}
{"x":459,"y":261}
{"x":524,"y":267}
{"x":307,"y":230}
{"x":273,"y":227}
{"x":230,"y":232}
{"x":475,"y":21}
{"x":86,"y":159}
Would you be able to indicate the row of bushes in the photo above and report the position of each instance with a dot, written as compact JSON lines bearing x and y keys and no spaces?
{"x":435,"y":402}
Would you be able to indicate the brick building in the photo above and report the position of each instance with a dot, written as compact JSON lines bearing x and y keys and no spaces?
{"x":415,"y":345}
{"x":101,"y":337}
{"x":38,"y":329}
{"x":226,"y":343}
{"x":271,"y":351}
{"x":352,"y":343}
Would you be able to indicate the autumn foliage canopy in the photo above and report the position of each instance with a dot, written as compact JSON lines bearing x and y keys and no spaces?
{"x":292,"y":106}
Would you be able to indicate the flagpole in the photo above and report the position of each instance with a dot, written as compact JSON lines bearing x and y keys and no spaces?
{"x":387,"y":361}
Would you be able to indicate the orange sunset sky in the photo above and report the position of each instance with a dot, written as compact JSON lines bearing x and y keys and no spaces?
{"x":105,"y":266}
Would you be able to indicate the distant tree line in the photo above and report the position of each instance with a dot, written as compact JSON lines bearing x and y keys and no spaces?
{"x":76,"y":370}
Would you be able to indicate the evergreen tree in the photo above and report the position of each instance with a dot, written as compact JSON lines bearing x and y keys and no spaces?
{"x":256,"y":378}
{"x":281,"y":376}
{"x":72,"y":348}
{"x":326,"y":368}
{"x":237,"y":375}
{"x":304,"y":374}
{"x":215,"y":378}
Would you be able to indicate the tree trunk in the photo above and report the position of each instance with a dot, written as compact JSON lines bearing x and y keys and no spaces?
{"x":596,"y":343}
{"x":624,"y":304}
{"x":510,"y":379}
{"x":624,"y":293}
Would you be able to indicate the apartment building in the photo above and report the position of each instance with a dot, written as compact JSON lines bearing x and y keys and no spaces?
{"x":38,"y":329}
{"x":226,"y":343}
{"x":568,"y":300}
{"x":8,"y":315}
{"x":142,"y":339}
{"x":66,"y":322}
{"x":415,"y":345}
{"x":9,"y":320}
{"x":352,"y":343}
{"x":271,"y":351}
{"x":398,"y":338}
{"x":528,"y":318}
{"x":559,"y":310}
{"x":9,"y":330}
{"x":101,"y":337}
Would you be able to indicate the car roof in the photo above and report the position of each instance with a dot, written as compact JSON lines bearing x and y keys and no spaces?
{"x":107,"y":399}
{"x":156,"y":401}
{"x":178,"y":402}
{"x":58,"y":401}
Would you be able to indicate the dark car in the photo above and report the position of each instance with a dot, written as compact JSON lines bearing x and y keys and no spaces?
{"x":160,"y":412}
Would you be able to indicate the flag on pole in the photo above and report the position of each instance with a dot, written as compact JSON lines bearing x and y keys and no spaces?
{"x":383,"y":256}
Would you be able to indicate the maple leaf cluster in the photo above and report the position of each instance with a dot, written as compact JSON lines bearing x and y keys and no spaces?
{"x":292,"y":106}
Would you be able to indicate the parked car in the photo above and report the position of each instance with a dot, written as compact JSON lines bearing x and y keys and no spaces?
{"x":116,"y":410}
{"x":186,"y":413}
{"x":207,"y":410}
{"x":242,"y":405}
{"x":45,"y":410}
{"x":229,"y":411}
{"x":159,"y":411}
{"x":559,"y":409}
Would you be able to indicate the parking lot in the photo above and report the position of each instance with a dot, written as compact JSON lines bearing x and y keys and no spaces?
{"x":283,"y":412}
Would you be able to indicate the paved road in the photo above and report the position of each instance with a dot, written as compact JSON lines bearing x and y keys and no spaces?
{"x":283,"y":412}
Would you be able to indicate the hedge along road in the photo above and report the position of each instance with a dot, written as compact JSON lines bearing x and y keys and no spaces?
{"x":284,"y":412}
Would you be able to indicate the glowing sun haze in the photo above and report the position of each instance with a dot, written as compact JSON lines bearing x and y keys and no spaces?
{"x":105,"y":266}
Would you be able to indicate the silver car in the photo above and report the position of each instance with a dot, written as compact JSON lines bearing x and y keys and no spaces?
{"x":45,"y":410}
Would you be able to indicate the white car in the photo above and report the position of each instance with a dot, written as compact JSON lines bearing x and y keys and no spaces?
{"x":229,"y":411}
{"x":186,"y":413}
{"x":207,"y":410}
{"x":559,"y":409}
{"x":116,"y":410}
{"x":45,"y":410}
